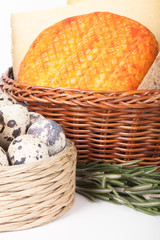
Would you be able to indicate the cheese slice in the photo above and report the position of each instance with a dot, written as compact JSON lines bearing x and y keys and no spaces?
{"x":152,"y":78}
{"x":27,"y":25}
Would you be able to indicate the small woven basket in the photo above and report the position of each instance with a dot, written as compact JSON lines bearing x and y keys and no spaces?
{"x":118,"y":126}
{"x":35,"y":194}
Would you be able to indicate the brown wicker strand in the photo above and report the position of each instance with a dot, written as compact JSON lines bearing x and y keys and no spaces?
{"x":118,"y":126}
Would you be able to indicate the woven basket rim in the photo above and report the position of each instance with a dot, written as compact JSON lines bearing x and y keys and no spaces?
{"x":27,"y":166}
{"x":36,"y":194}
{"x":77,"y":97}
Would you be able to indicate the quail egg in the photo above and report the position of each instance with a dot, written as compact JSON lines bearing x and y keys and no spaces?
{"x":27,"y":149}
{"x":3,"y":158}
{"x":14,"y":121}
{"x":51,"y":133}
{"x":34,"y":116}
{"x":6,"y":99}
{"x":1,"y":122}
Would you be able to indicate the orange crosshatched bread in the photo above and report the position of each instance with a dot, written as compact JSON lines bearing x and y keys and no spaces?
{"x":96,"y":51}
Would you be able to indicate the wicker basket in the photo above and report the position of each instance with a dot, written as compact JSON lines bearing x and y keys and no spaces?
{"x":121,"y":126}
{"x":37,"y":193}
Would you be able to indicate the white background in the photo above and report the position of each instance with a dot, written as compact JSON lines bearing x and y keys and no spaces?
{"x":10,"y":6}
{"x":85,"y":220}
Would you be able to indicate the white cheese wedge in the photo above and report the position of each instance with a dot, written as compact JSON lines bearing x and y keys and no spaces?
{"x":152,"y":78}
{"x":26,"y":26}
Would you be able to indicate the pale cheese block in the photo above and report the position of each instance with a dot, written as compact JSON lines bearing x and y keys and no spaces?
{"x":27,"y":25}
{"x":152,"y":78}
{"x":146,"y":12}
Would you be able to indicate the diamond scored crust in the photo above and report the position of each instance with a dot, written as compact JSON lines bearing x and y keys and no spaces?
{"x":96,"y":51}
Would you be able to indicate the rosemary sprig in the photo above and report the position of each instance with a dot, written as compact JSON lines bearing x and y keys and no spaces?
{"x":137,"y":187}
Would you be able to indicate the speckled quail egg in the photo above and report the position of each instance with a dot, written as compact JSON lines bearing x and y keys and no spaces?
{"x":27,"y":149}
{"x":34,"y":116}
{"x":14,"y":122}
{"x":1,"y":122}
{"x":51,"y":133}
{"x":3,"y":158}
{"x":6,"y":99}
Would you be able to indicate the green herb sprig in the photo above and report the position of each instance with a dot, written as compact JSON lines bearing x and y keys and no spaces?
{"x":137,"y":187}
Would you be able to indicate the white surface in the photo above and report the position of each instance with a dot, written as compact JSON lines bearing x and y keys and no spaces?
{"x":94,"y":221}
{"x":85,"y":220}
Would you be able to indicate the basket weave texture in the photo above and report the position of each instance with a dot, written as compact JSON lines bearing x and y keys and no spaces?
{"x":35,"y":194}
{"x":118,"y":126}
